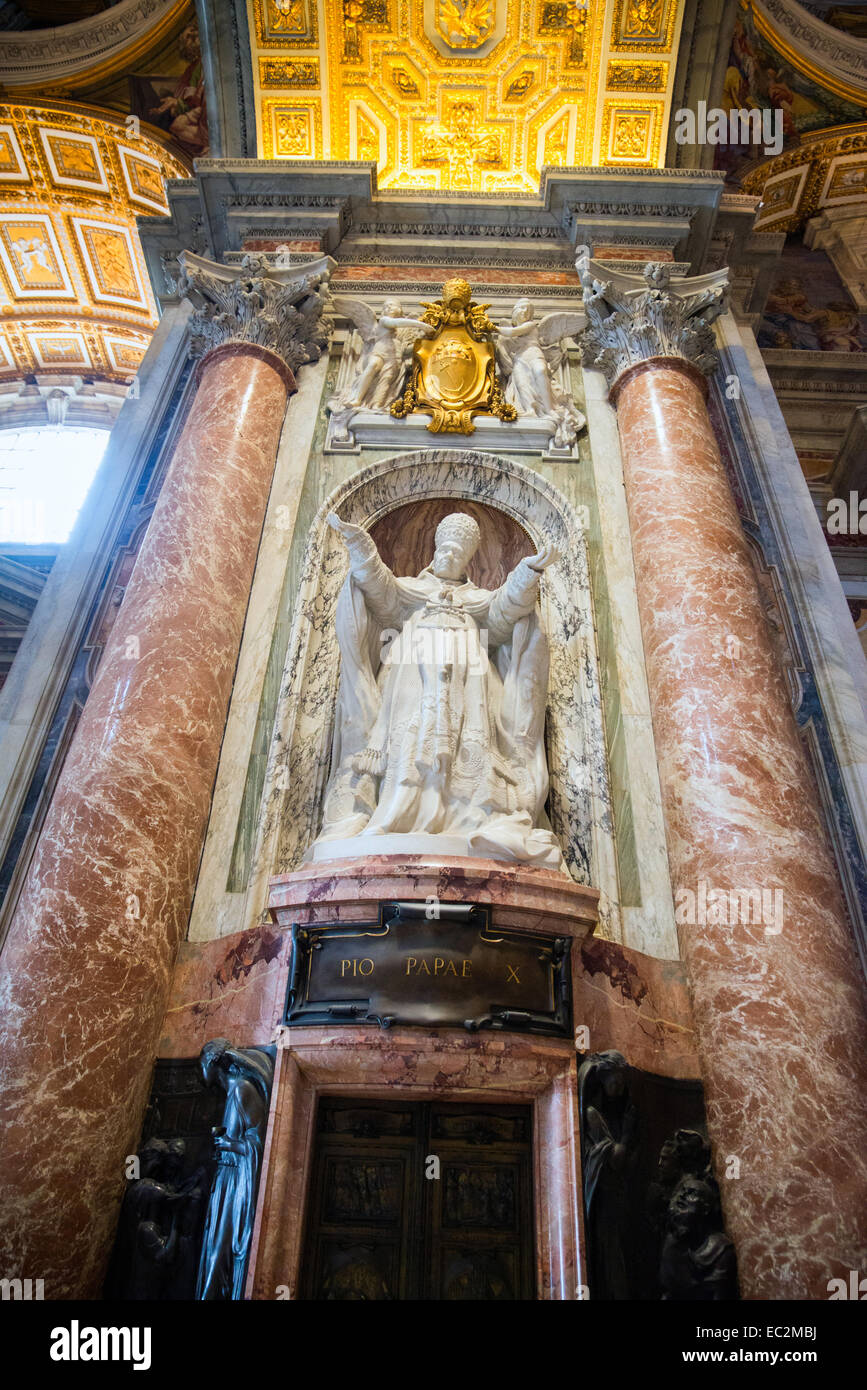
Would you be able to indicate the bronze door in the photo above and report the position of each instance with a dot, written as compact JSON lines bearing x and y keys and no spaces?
{"x":420,"y":1200}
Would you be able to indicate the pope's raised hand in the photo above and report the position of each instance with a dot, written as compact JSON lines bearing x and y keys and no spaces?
{"x":548,"y":555}
{"x":354,"y":537}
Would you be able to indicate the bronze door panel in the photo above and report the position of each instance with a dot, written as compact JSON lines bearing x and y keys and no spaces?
{"x":378,"y":1228}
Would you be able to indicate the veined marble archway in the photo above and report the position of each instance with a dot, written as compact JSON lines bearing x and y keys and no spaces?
{"x":298,"y":764}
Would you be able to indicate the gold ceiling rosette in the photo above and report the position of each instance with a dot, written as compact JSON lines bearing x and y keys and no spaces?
{"x":453,"y":374}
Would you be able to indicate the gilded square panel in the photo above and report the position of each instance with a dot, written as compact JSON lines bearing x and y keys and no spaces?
{"x":74,"y":160}
{"x":123,"y":354}
{"x":13,"y":168}
{"x":109,"y":260}
{"x":631,"y":133}
{"x":639,"y":24}
{"x":290,"y":130}
{"x":32,"y":257}
{"x":286,"y":23}
{"x":781,"y":196}
{"x":143,"y":178}
{"x":847,"y":178}
{"x":59,"y":349}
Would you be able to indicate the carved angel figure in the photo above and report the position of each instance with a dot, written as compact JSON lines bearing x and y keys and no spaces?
{"x":376,"y":376}
{"x":529,"y":352}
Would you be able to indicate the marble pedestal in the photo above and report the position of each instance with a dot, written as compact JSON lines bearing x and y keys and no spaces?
{"x":350,"y":890}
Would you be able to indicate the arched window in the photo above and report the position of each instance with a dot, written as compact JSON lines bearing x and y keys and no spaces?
{"x":45,"y":474}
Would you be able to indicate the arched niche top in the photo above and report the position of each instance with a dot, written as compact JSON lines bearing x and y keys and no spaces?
{"x":459,"y":474}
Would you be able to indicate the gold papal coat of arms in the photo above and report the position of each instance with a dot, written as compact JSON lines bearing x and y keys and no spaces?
{"x":453,"y":374}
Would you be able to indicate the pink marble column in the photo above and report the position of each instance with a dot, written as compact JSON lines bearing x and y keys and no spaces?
{"x":779,"y":1002}
{"x":88,"y":962}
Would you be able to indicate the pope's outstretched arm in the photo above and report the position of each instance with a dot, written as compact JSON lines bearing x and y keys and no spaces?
{"x":369,"y":571}
{"x":517,"y":597}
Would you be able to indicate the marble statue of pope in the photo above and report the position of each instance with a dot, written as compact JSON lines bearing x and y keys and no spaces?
{"x":439,"y":726}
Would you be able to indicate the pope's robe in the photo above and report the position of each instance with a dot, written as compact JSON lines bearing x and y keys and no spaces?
{"x":440,"y":718}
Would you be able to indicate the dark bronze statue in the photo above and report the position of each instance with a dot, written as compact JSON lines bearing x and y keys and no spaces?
{"x":608,"y":1147}
{"x":245,"y":1074}
{"x":157,"y":1241}
{"x":697,"y":1260}
{"x":686,"y":1151}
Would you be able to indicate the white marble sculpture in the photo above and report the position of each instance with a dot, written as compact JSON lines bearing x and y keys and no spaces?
{"x":439,"y":728}
{"x":374,"y":376}
{"x":530,"y":355}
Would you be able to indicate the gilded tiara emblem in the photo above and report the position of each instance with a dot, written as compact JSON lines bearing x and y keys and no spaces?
{"x":453,"y":375}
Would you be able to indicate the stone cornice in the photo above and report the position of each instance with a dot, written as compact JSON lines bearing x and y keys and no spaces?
{"x":286,"y":312}
{"x":632,"y":319}
{"x":231,"y":201}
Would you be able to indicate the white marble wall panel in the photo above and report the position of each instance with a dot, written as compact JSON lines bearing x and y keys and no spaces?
{"x":649,"y":925}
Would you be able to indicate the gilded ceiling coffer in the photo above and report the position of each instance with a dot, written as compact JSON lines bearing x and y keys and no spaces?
{"x":453,"y":375}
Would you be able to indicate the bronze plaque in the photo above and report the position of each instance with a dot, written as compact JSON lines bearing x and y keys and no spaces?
{"x":449,"y":970}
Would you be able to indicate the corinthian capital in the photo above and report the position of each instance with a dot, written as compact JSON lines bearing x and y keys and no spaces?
{"x":631,"y":318}
{"x":287,"y":311}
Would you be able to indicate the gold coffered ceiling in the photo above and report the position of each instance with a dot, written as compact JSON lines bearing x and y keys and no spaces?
{"x":74,"y":291}
{"x":465,"y":94}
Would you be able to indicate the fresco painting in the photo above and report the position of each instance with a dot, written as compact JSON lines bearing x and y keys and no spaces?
{"x":174,"y":100}
{"x":758,"y":77}
{"x":808,"y":306}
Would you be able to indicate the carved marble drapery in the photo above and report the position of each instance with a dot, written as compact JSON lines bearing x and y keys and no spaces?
{"x":87,"y":965}
{"x":778,"y":999}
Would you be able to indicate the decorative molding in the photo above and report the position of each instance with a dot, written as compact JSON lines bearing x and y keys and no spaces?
{"x":553,"y":175}
{"x":505,"y":231}
{"x":289,"y":312}
{"x":814,"y":48}
{"x":631,"y":319}
{"x":434,"y":287}
{"x":41,"y":56}
{"x":597,"y":208}
{"x":636,"y":77}
{"x":283,"y":200}
{"x":449,"y":254}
